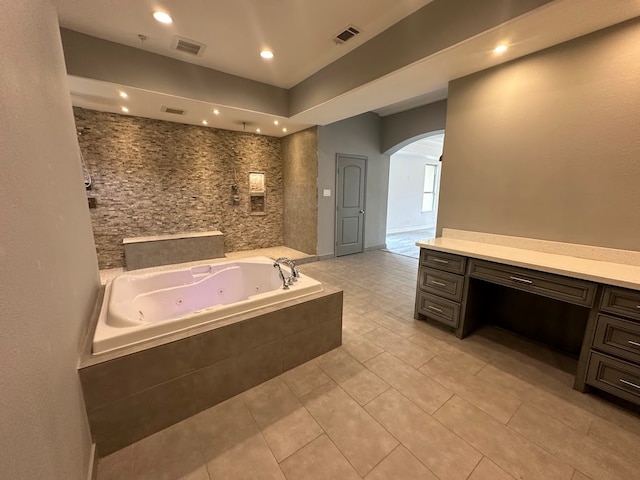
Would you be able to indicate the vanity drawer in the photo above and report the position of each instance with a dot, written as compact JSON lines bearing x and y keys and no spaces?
{"x":621,"y":301}
{"x":614,"y":376}
{"x":443,"y":261}
{"x":447,"y":285}
{"x":439,"y":309}
{"x":618,"y":337}
{"x":571,"y":290}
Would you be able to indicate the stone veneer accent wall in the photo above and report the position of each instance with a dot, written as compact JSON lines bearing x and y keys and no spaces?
{"x":300,"y":158}
{"x":153,"y":177}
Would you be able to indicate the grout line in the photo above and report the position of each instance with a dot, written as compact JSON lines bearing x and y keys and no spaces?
{"x":477,"y":464}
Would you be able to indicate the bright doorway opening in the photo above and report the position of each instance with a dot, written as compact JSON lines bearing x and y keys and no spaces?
{"x":414,"y":184}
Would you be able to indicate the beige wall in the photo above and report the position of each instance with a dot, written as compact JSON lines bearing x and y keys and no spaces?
{"x":300,"y":172}
{"x":48,"y":274}
{"x":548,"y":146}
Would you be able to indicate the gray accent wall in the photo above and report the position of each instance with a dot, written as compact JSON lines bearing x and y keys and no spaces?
{"x":92,"y":57}
{"x":401,"y":129}
{"x":152,"y":177}
{"x":300,"y":165}
{"x":358,"y":135}
{"x":49,"y":273}
{"x":548,"y":146}
{"x":436,"y":26}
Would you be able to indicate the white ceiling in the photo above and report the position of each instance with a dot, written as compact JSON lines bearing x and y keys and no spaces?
{"x":300,"y":33}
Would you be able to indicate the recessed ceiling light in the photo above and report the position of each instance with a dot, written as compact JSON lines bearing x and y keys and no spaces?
{"x":123,"y":94}
{"x":284,"y":130}
{"x":500,"y":49}
{"x":163,"y":17}
{"x":257,"y":130}
{"x":268,"y":54}
{"x":124,"y":109}
{"x":204,"y":122}
{"x":216,"y":111}
{"x":275,"y":122}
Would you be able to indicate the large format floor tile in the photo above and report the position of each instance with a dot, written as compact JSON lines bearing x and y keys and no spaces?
{"x":423,"y":391}
{"x":400,"y":464}
{"x":401,"y":399}
{"x":584,"y":453}
{"x":319,"y":460}
{"x":443,"y":452}
{"x":362,"y":440}
{"x":497,"y":403}
{"x":285,"y":424}
{"x":512,"y":452}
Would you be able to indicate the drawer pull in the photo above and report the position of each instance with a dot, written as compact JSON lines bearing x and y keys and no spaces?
{"x":431,"y":307}
{"x":521,"y":280}
{"x":440,"y":284}
{"x":439,"y":260}
{"x":622,"y":380}
{"x":635,"y":344}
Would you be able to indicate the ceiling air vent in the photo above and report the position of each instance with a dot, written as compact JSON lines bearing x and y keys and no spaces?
{"x":187,"y":46}
{"x":175,"y":111}
{"x":347,"y":34}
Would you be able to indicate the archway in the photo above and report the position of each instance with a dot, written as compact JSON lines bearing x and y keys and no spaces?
{"x":412,"y":203}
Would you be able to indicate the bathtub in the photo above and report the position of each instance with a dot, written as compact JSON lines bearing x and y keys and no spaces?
{"x":142,"y":306}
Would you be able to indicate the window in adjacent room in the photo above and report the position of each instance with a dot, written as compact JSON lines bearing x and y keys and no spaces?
{"x":428,"y":196}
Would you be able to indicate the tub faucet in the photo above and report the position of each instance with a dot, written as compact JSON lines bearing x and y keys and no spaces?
{"x":295,"y":274}
{"x":285,"y":282}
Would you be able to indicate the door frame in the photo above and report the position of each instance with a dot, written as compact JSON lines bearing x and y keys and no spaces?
{"x":364,"y":199}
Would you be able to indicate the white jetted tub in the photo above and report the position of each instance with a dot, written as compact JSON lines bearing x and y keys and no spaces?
{"x":143,"y":306}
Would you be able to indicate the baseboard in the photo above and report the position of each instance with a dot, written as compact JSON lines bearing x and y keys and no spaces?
{"x":328,"y":256}
{"x":92,"y":474}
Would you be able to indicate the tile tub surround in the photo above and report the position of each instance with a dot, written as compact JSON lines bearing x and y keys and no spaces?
{"x":143,"y":252}
{"x":152,"y":177}
{"x":439,"y":414}
{"x":131,"y":396}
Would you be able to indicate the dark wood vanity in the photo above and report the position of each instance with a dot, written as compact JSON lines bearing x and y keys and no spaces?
{"x":597,"y":322}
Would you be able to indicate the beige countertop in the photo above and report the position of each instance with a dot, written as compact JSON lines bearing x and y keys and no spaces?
{"x":610,"y":273}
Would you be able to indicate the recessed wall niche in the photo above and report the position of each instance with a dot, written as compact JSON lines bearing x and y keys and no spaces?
{"x":152,"y":177}
{"x":257,"y":193}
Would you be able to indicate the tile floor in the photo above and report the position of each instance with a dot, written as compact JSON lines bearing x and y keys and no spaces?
{"x":405,"y":243}
{"x":401,"y":399}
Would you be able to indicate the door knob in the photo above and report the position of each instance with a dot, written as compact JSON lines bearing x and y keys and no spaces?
{"x":361,"y":211}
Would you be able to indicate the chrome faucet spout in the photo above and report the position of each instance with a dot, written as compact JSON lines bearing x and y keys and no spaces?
{"x":285,"y":283}
{"x":295,"y":274}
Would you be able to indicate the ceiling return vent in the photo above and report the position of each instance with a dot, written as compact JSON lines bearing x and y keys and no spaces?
{"x":185,"y":45}
{"x":175,"y":111}
{"x":347,"y":34}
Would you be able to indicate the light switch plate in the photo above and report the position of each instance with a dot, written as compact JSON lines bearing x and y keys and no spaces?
{"x":326,"y":192}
